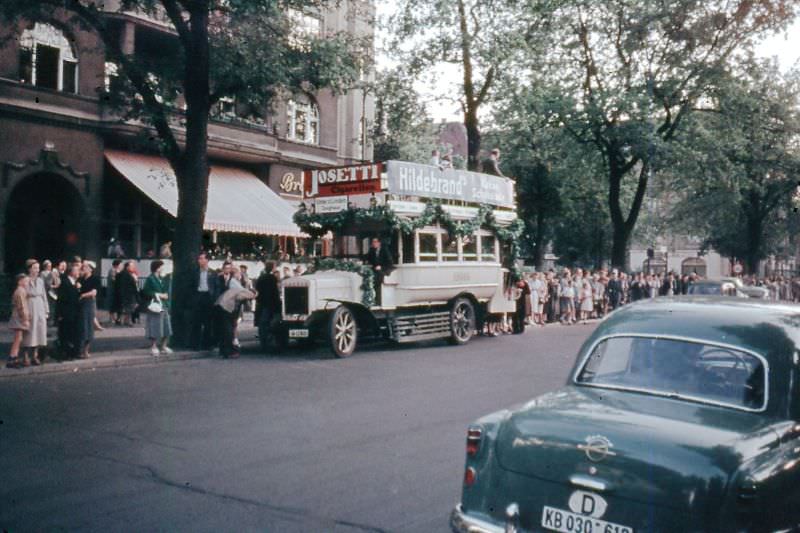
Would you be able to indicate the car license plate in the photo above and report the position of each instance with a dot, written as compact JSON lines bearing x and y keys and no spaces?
{"x":298,"y":333}
{"x":566,"y":522}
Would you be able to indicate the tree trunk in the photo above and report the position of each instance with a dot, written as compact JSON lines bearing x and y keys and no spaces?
{"x":192,"y":174}
{"x":755,"y":224}
{"x":473,"y":139}
{"x":619,"y":248}
{"x":540,"y":245}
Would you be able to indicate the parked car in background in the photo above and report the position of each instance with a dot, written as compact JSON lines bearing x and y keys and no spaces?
{"x":752,"y":291}
{"x":714,"y":288}
{"x":680,"y":414}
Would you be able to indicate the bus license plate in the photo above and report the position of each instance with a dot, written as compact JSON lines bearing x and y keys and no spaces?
{"x":298,"y":333}
{"x":566,"y":522}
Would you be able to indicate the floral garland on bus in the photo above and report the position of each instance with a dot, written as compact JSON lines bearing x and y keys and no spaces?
{"x":318,"y":224}
{"x":366,"y":273}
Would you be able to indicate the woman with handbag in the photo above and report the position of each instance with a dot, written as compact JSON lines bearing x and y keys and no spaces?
{"x":158,"y":327}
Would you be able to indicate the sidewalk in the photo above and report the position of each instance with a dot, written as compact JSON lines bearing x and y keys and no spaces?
{"x":115,"y":346}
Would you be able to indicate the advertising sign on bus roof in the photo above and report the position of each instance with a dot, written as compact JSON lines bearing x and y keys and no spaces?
{"x":339,"y":181}
{"x":426,"y":181}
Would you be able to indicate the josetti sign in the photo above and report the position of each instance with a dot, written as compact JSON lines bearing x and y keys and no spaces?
{"x":338,"y":181}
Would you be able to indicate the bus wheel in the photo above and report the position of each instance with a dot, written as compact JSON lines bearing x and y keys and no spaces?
{"x":462,"y":321}
{"x":343,"y":332}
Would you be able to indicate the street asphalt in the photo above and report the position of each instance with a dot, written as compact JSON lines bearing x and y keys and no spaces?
{"x":295,"y":442}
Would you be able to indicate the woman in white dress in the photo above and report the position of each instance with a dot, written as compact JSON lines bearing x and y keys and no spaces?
{"x":36,"y":336}
{"x":536,"y":289}
{"x":586,"y":299}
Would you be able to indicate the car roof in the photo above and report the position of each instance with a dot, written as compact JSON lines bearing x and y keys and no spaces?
{"x":771,"y":329}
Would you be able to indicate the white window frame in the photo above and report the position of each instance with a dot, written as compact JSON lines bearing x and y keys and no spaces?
{"x":477,"y":255}
{"x":48,"y":35}
{"x":418,"y":254}
{"x":496,"y":252}
{"x":312,"y":119}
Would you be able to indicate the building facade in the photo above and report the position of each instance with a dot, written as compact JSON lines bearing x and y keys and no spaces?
{"x":73,"y":175}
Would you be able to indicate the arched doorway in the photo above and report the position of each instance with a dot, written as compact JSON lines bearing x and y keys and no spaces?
{"x":43,"y":221}
{"x":694,"y":264}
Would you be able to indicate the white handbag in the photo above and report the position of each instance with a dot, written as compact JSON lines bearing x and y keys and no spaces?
{"x":155,"y":306}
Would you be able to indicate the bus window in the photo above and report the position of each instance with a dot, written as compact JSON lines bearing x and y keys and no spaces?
{"x":488,"y":251}
{"x":428,"y":246}
{"x":408,"y":247}
{"x":469,"y":248}
{"x":449,"y":247}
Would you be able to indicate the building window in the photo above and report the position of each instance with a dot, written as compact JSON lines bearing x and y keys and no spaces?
{"x":46,"y":59}
{"x":303,"y":122}
{"x":304,"y":28}
{"x":225,"y":108}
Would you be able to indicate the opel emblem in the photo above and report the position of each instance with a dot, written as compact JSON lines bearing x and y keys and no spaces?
{"x":597,"y":448}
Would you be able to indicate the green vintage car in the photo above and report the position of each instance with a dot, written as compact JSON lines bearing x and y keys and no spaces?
{"x":679,"y":415}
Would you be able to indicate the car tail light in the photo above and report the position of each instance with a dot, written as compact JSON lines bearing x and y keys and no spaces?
{"x":474,"y":436}
{"x":469,"y":476}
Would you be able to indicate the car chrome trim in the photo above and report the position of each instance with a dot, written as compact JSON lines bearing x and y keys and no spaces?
{"x":460,"y":522}
{"x":588,"y":483}
{"x":696,"y":399}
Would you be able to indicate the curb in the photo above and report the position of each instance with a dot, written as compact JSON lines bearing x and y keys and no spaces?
{"x":103,"y":361}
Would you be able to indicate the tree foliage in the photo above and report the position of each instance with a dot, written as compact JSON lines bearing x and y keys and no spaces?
{"x":626,"y":74}
{"x":478,"y":36}
{"x":402,"y":129}
{"x":737,"y":180}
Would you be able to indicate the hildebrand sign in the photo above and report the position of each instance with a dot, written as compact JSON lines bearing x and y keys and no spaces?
{"x":413,"y":179}
{"x":338,"y":181}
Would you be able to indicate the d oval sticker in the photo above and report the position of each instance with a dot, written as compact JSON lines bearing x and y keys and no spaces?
{"x":587,"y":504}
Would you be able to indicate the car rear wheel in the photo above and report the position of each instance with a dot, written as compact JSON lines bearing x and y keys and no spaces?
{"x":343,"y":332}
{"x":462,"y":321}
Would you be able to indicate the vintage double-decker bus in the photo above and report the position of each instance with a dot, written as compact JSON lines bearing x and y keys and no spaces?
{"x":451,"y":237}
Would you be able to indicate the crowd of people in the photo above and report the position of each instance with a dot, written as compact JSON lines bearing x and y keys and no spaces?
{"x":579,"y":295}
{"x":65,"y":297}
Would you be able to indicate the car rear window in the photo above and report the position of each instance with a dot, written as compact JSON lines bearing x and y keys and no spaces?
{"x":691,"y":370}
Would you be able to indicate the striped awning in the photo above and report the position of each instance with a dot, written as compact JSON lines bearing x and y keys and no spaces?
{"x":238,"y":201}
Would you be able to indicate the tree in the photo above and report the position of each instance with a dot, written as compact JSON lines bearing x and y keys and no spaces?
{"x":402,"y":128}
{"x":478,"y":36}
{"x":558,"y":180}
{"x":234,"y":49}
{"x":737,"y":189}
{"x":628,"y":73}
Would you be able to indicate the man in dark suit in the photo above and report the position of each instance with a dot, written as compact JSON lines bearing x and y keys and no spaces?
{"x":204,"y":290}
{"x":380,"y":260}
{"x":268,"y":299}
{"x":614,"y":290}
{"x":67,"y":313}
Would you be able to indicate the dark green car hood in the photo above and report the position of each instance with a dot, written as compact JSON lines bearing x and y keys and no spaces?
{"x":664,"y":452}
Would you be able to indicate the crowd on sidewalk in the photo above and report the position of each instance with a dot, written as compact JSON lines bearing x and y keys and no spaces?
{"x":571,"y":296}
{"x":66,"y":298}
